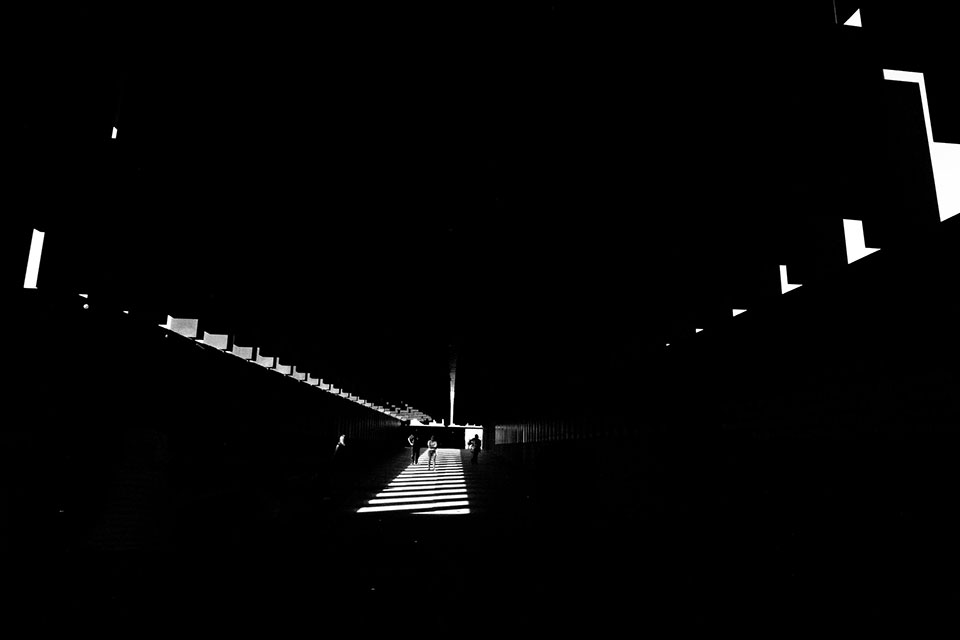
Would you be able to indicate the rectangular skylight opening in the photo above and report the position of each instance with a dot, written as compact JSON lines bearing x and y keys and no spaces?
{"x":33,"y":260}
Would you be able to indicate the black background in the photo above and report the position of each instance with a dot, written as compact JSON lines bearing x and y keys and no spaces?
{"x":553,"y":191}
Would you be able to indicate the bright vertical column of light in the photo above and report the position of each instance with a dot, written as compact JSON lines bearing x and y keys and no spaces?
{"x":944,"y":156}
{"x":33,"y":260}
{"x":453,"y":378}
{"x":854,"y":240}
{"x":785,"y":286}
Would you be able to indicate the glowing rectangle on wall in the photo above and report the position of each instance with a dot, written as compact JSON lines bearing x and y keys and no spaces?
{"x":33,"y":260}
{"x":944,"y":156}
{"x":854,"y":240}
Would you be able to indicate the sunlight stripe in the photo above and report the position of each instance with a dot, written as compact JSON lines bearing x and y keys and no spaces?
{"x":460,"y":496}
{"x":411,"y":507}
{"x":404,"y":492}
{"x":442,"y":512}
{"x":424,"y":487}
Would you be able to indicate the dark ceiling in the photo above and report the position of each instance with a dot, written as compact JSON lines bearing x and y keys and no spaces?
{"x":551,"y":192}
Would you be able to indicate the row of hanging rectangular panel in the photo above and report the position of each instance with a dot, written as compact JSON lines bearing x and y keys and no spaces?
{"x":203,"y":318}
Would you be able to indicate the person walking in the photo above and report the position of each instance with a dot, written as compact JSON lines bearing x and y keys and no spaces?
{"x":338,"y":464}
{"x":475,"y":448}
{"x":414,"y":449}
{"x":432,"y":453}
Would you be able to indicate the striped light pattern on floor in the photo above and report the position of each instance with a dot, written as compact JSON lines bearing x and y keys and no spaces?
{"x":422,"y":491}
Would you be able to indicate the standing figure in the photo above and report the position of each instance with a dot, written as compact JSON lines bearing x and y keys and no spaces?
{"x":339,"y":462}
{"x":475,"y":448}
{"x":432,"y":453}
{"x":414,"y":449}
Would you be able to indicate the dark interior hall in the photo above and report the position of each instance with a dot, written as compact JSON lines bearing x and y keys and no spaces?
{"x":267,"y":227}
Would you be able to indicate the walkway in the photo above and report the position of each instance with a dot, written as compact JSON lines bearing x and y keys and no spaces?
{"x":424,"y":489}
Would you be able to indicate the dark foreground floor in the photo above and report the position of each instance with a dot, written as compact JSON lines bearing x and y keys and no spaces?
{"x":595,"y":533}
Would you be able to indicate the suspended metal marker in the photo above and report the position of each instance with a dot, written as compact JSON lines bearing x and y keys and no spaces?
{"x":854,"y":20}
{"x":855,"y":243}
{"x":265,"y":361}
{"x":243,"y":352}
{"x":699,"y":330}
{"x":33,"y":260}
{"x":944,"y":157}
{"x":215,"y":340}
{"x":786,"y":287}
{"x":113,"y":135}
{"x":187,"y":327}
{"x":737,"y":312}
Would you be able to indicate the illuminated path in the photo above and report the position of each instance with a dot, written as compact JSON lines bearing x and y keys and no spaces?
{"x":393,"y":528}
{"x":418,"y":490}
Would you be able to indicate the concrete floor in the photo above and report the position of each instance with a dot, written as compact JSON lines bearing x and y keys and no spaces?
{"x":586,"y":534}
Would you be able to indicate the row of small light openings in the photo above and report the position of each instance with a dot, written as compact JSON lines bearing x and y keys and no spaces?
{"x":188,"y":329}
{"x":945,"y":159}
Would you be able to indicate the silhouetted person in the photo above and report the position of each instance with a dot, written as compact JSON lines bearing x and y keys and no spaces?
{"x":339,"y":455}
{"x":475,"y":448}
{"x":414,"y":449}
{"x":431,"y":453}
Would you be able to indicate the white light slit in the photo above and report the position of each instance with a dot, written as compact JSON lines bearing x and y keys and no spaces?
{"x":944,"y":157}
{"x":33,"y":260}
{"x":785,"y":286}
{"x":854,"y":240}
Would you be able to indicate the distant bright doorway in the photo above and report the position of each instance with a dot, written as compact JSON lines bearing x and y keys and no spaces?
{"x":469,"y":432}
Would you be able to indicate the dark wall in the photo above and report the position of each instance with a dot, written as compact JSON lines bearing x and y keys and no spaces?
{"x":447,"y":437}
{"x":801,"y":452}
{"x":121,"y":435}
